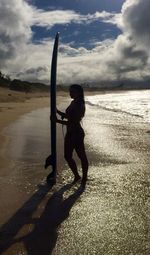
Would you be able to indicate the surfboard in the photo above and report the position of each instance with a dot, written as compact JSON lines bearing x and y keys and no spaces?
{"x":52,"y":158}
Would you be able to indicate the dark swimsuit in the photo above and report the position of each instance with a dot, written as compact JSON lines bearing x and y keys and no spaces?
{"x":74,"y":138}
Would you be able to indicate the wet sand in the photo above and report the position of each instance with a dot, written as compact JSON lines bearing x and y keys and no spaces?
{"x":10,"y":111}
{"x":111,"y":216}
{"x":22,"y":148}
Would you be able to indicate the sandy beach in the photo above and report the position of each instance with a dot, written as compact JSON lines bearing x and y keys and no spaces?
{"x":111,"y":216}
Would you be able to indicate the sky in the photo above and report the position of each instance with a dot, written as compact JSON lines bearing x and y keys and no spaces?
{"x":101,"y":41}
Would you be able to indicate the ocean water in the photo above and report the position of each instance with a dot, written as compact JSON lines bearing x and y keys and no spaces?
{"x":136,"y":103}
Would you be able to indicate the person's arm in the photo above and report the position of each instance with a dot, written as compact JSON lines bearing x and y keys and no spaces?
{"x":62,"y":114}
{"x":63,"y":122}
{"x":54,"y":119}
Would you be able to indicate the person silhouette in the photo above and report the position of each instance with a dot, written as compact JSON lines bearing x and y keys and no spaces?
{"x":74,"y":138}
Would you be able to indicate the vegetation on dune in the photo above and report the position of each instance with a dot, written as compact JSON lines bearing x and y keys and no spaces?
{"x":18,"y":85}
{"x":25,"y":86}
{"x":4,"y":80}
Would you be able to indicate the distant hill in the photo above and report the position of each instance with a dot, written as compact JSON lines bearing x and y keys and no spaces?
{"x":26,"y":86}
{"x":19,"y":85}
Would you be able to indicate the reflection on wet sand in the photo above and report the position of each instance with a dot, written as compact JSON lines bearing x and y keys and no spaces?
{"x":29,"y":135}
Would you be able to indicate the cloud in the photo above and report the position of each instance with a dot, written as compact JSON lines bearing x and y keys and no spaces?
{"x":112,"y":18}
{"x":48,"y":19}
{"x":132,"y":46}
{"x":67,"y":50}
{"x":15,"y":29}
{"x":126,"y":57}
{"x":136,"y":20}
{"x":17,"y":52}
{"x":34,"y":74}
{"x":34,"y":62}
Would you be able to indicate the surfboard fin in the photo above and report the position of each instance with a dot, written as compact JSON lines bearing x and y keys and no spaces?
{"x":48,"y":161}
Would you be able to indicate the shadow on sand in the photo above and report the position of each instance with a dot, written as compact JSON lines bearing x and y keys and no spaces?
{"x":42,"y":239}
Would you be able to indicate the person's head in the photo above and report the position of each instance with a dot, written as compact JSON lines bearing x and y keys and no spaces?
{"x":76,"y":92}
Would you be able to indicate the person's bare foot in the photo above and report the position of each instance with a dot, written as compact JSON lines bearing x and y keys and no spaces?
{"x":76,"y":179}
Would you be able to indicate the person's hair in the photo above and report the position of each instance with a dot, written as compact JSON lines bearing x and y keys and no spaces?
{"x":80,"y":91}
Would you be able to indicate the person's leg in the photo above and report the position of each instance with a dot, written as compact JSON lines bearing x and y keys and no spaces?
{"x":80,"y":150}
{"x":68,"y":152}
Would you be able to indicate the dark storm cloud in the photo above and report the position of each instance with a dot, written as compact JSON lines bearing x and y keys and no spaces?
{"x":136,"y":20}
